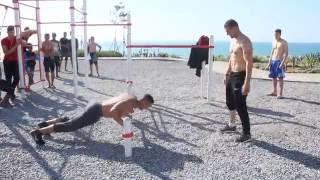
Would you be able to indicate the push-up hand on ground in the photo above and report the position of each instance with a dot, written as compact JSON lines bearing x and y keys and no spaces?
{"x":115,"y":108}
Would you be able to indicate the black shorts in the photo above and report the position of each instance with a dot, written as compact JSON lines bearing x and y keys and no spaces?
{"x":57,"y":60}
{"x":30,"y":65}
{"x":65,"y":53}
{"x":93,"y":58}
{"x":48,"y":64}
{"x":91,"y":115}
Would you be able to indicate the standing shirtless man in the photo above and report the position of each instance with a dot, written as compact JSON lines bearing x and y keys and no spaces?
{"x":276,"y":63}
{"x":115,"y":108}
{"x":237,"y":79}
{"x":48,"y":62}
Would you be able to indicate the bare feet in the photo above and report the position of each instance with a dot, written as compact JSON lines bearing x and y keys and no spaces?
{"x":280,"y":97}
{"x":272,"y":94}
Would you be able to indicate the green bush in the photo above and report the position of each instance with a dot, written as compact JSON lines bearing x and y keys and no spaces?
{"x":260,"y":59}
{"x":295,"y":60}
{"x":103,"y":54}
{"x":311,"y":60}
{"x":109,"y":54}
{"x":174,"y":56}
{"x":220,"y":58}
{"x":163,"y":55}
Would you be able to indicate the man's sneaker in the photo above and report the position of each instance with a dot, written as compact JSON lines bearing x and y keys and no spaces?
{"x":243,"y":138}
{"x":37,"y":137}
{"x":228,"y":128}
{"x":43,"y":124}
{"x":13,"y":97}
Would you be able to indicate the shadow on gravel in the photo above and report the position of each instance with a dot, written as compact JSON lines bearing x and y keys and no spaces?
{"x":161,"y":135}
{"x":99,"y":92}
{"x":37,"y":106}
{"x":156,"y":159}
{"x":310,"y":161}
{"x":269,"y":112}
{"x":112,"y":79}
{"x":67,"y":96}
{"x":177,"y":113}
{"x":69,"y":82}
{"x":177,"y":117}
{"x":153,"y":158}
{"x":32,"y":152}
{"x":280,"y":121}
{"x":303,"y":100}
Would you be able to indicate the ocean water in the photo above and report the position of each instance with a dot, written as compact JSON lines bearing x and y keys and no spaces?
{"x":222,"y":48}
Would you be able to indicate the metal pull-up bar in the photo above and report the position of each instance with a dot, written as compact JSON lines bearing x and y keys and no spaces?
{"x":45,"y":0}
{"x":30,"y":19}
{"x":59,"y":22}
{"x":27,"y":5}
{"x":170,"y":46}
{"x":78,"y":10}
{"x":6,"y":6}
{"x":107,"y":24}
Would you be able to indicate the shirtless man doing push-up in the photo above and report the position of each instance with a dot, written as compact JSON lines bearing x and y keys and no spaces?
{"x":115,"y":108}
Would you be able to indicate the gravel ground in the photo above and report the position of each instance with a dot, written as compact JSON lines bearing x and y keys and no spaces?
{"x":177,"y":139}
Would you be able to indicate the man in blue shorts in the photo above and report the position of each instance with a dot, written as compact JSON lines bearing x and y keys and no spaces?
{"x":276,"y":64}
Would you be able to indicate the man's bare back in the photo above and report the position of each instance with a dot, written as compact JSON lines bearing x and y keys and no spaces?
{"x":279,"y":49}
{"x":124,"y":103}
{"x":237,"y":61}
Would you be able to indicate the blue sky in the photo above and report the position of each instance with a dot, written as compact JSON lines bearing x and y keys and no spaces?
{"x":187,"y":20}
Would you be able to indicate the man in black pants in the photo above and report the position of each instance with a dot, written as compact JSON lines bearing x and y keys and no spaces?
{"x":237,"y":79}
{"x":6,"y":87}
{"x":65,"y":51}
{"x":56,"y":53}
{"x":115,"y":108}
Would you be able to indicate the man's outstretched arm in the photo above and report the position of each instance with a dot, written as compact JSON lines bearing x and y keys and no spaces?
{"x":116,"y":113}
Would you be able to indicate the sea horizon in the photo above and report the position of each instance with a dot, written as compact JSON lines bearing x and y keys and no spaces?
{"x":221,"y":48}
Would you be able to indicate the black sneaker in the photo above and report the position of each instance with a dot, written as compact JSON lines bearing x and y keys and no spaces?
{"x":13,"y":97}
{"x":243,"y":138}
{"x":37,"y":137}
{"x":43,"y":124}
{"x":227,"y":128}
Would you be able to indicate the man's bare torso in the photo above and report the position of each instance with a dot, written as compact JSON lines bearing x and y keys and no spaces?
{"x":127,"y":110}
{"x":237,"y":61}
{"x":47,"y":48}
{"x":279,"y":49}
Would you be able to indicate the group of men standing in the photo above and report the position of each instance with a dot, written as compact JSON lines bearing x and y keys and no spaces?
{"x":54,"y":52}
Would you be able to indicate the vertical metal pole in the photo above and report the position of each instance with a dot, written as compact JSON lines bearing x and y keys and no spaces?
{"x":85,"y":35}
{"x":73,"y":47}
{"x":39,"y":36}
{"x":127,"y":132}
{"x":129,"y":56}
{"x":19,"y":48}
{"x":202,"y":78}
{"x":209,"y":88}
